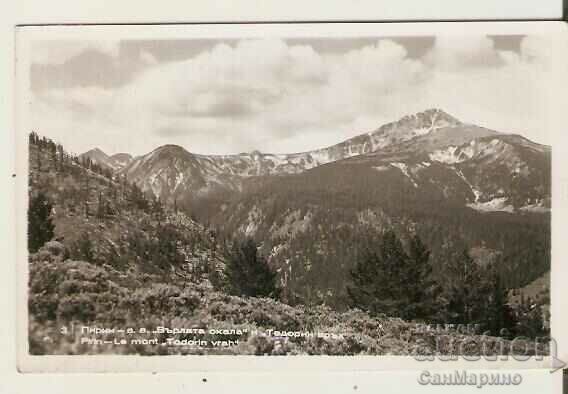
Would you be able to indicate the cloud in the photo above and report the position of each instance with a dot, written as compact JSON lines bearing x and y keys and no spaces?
{"x":275,"y":96}
{"x":70,"y":64}
{"x":457,"y":53}
{"x":147,"y":58}
{"x":58,"y":52}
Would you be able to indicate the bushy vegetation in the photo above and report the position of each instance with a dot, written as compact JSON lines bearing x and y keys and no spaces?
{"x":69,"y":293}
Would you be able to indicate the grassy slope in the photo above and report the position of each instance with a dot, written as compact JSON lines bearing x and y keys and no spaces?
{"x":80,"y":293}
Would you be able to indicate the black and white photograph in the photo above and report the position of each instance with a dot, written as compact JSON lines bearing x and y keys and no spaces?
{"x":369,"y":195}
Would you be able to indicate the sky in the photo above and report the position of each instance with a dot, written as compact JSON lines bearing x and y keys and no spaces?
{"x":215,"y":96}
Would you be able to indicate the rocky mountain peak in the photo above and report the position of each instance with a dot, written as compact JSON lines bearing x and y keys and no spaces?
{"x":114,"y":162}
{"x":95,"y":152}
{"x":98,"y":156}
{"x":437,"y":115}
{"x":423,"y":122}
{"x":170,"y":151}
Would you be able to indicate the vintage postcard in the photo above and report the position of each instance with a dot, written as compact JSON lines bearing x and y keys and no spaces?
{"x":252,"y":196}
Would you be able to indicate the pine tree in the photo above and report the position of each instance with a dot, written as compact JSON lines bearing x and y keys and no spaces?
{"x":40,"y":225}
{"x":86,"y":193}
{"x":102,"y":207}
{"x":61,"y":155}
{"x":464,"y":290}
{"x":421,"y":289}
{"x":364,"y":276}
{"x":376,"y":277}
{"x":248,"y":273}
{"x":164,"y":251}
{"x":33,"y":138}
{"x":38,"y":158}
{"x":53,"y":154}
{"x":499,"y":315}
{"x":388,"y":280}
{"x":137,"y":197}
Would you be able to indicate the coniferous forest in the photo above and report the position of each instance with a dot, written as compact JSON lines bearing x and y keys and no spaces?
{"x":105,"y":252}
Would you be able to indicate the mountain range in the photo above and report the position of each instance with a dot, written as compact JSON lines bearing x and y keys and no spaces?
{"x":488,"y":170}
{"x":114,"y":162}
{"x":459,"y":186}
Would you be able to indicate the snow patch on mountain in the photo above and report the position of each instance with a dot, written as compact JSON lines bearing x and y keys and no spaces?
{"x":253,"y":221}
{"x":293,"y":224}
{"x":404,"y":168}
{"x":498,"y":204}
{"x":475,"y":192}
{"x":179,"y":180}
{"x":453,"y":154}
{"x":538,"y":207}
{"x":447,"y":156}
{"x":155,"y":186}
{"x":423,"y":130}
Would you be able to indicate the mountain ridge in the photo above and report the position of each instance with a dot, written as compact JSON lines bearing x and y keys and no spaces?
{"x":433,"y":112}
{"x":113,"y":162}
{"x":424,"y":118}
{"x":174,"y":174}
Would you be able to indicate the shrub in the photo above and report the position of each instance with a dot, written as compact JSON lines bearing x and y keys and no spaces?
{"x":82,"y":307}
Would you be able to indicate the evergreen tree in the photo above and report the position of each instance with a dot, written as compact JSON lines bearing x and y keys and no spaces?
{"x":53,"y":154}
{"x":421,"y":288}
{"x":248,"y":273}
{"x":104,"y":207}
{"x":101,"y":211}
{"x":40,"y":225}
{"x":464,"y":290}
{"x":498,"y":312}
{"x":86,"y":194}
{"x":61,"y":156}
{"x":33,"y":138}
{"x":388,"y":280}
{"x":164,"y":252}
{"x":38,"y":158}
{"x":137,"y":197}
